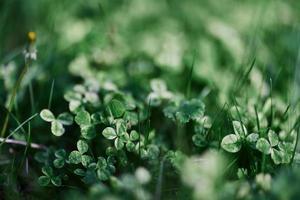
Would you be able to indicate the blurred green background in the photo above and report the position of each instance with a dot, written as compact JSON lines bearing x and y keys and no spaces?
{"x":224,"y":35}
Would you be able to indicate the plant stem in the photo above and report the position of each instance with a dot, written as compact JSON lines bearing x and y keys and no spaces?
{"x":23,"y":143}
{"x":13,"y":96}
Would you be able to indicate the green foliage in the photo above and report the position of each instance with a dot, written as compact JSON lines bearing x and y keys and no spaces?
{"x":49,"y":177}
{"x":171,"y":99}
{"x":57,"y":128}
{"x":231,"y":143}
{"x":185,"y":111}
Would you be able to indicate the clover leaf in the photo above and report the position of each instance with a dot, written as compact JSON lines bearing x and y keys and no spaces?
{"x":105,"y":167}
{"x":185,"y":111}
{"x":84,"y":120}
{"x":117,"y":108}
{"x":80,"y":95}
{"x":119,"y":134}
{"x":82,"y":146}
{"x":109,"y":133}
{"x":57,"y":128}
{"x":49,"y":177}
{"x":60,"y":155}
{"x":264,"y":146}
{"x":281,"y":151}
{"x":252,"y":138}
{"x":231,"y":143}
{"x":159,"y":92}
{"x":239,"y":129}
{"x":75,"y":157}
{"x":79,"y":156}
{"x":65,"y":118}
{"x":47,"y":115}
{"x":273,"y":138}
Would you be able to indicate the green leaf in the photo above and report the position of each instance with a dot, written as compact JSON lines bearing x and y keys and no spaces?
{"x":82,"y":146}
{"x":120,"y":127}
{"x":119,"y":143}
{"x":231,"y":143}
{"x":199,"y":140}
{"x":273,"y":138}
{"x":252,"y":138}
{"x":59,"y":162}
{"x":117,"y":108}
{"x":239,"y":128}
{"x":276,"y":156}
{"x":83,"y":118}
{"x":286,"y":147}
{"x":47,"y":115}
{"x":65,"y":118}
{"x":124,"y":137}
{"x":47,"y":170}
{"x":75,"y":157}
{"x":263,"y":145}
{"x":193,"y":109}
{"x":86,"y":160}
{"x":153,"y":152}
{"x":79,"y":172}
{"x":131,"y":118}
{"x":103,"y":175}
{"x":169,"y":111}
{"x":57,"y":128}
{"x":130,"y":146}
{"x":60,"y":153}
{"x":109,"y":133}
{"x":44,"y":180}
{"x":88,"y":132}
{"x":75,"y":106}
{"x":101,"y":162}
{"x":56,"y":181}
{"x":134,"y":135}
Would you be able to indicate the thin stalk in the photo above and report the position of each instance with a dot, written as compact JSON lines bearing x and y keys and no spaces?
{"x":23,"y":143}
{"x":28,"y":144}
{"x":51,"y":95}
{"x":257,"y":119}
{"x":31,"y":98}
{"x":160,"y":180}
{"x":271,"y":96}
{"x":13,"y":96}
{"x":19,"y":127}
{"x":189,"y":83}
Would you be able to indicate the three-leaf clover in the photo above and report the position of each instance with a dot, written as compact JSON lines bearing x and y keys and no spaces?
{"x":105,"y":167}
{"x":281,"y":151}
{"x":79,"y":95}
{"x":57,"y":123}
{"x":159,"y":92}
{"x":119,"y":134}
{"x":79,"y":156}
{"x":49,"y":177}
{"x":60,"y":159}
{"x":185,"y":111}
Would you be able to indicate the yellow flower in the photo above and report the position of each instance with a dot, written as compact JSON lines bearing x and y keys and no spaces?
{"x":31,"y":36}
